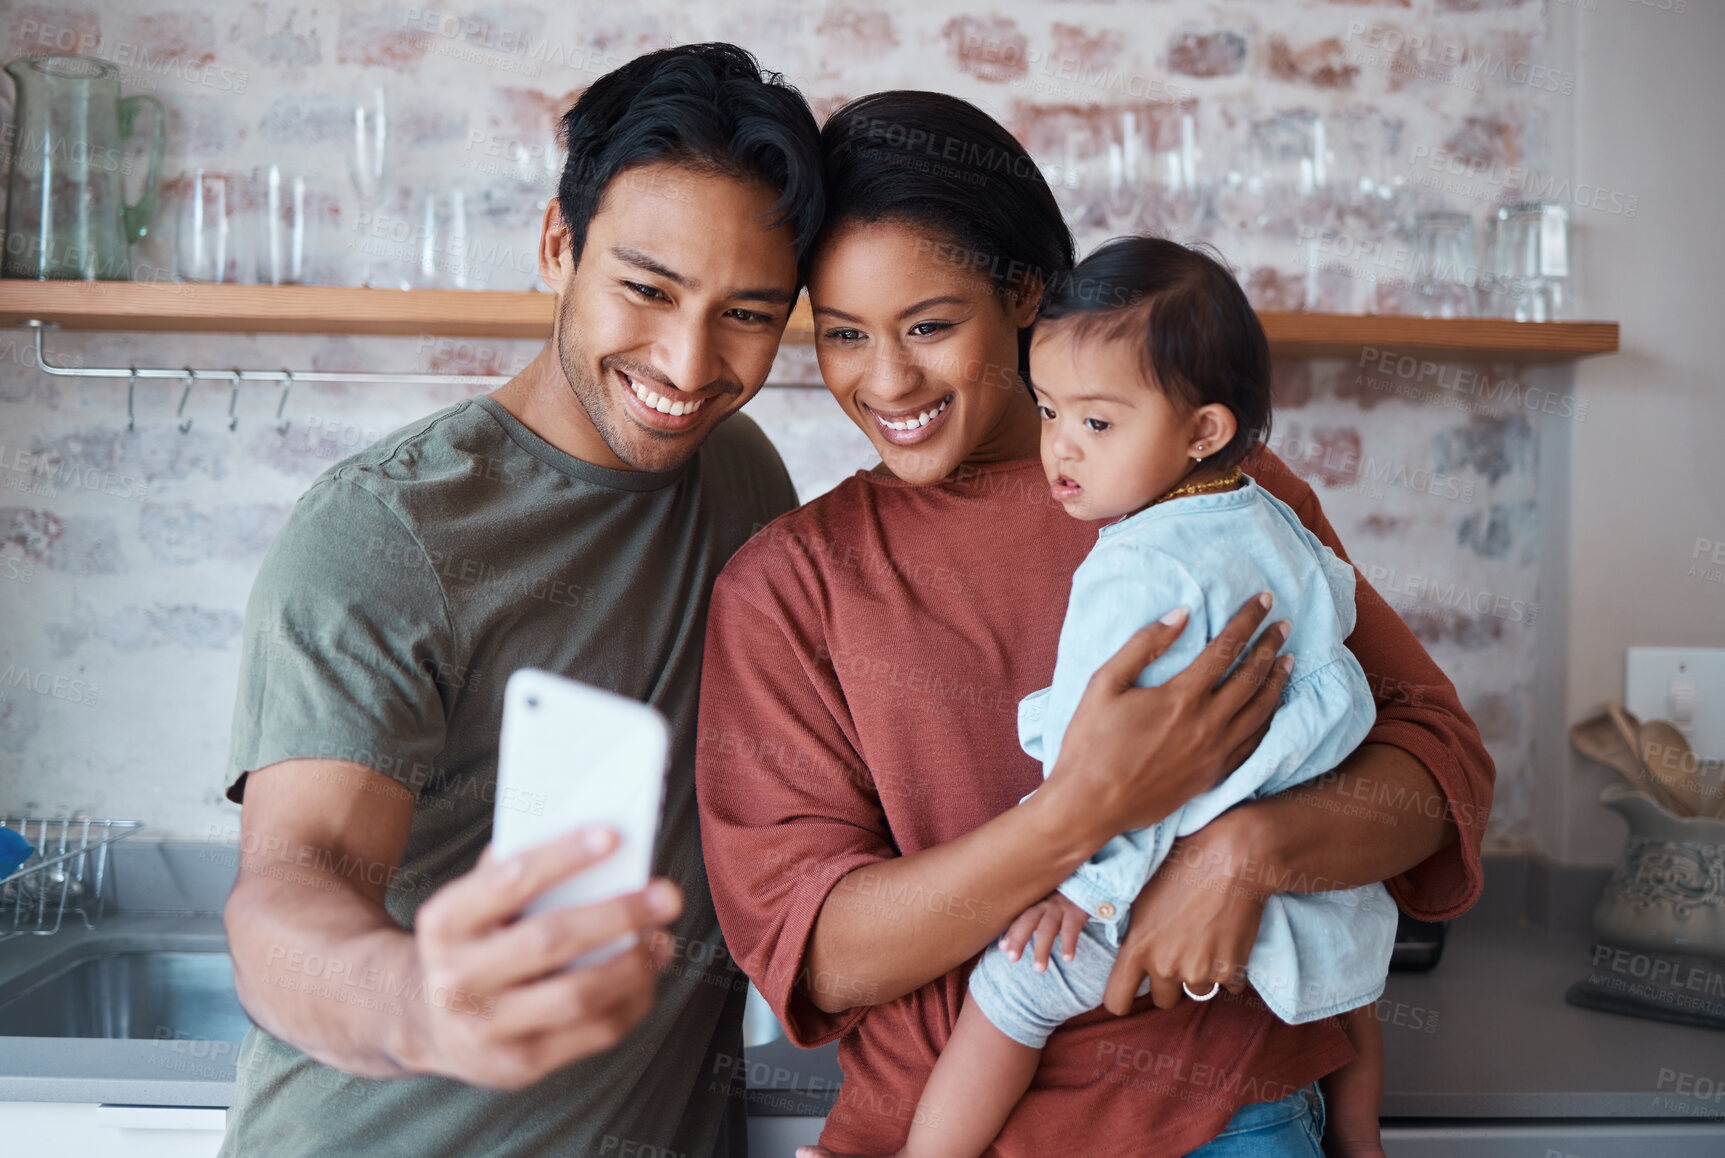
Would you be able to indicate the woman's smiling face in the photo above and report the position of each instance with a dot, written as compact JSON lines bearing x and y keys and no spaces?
{"x":920,"y":350}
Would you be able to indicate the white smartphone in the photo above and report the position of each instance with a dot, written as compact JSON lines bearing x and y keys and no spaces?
{"x":571,"y":756}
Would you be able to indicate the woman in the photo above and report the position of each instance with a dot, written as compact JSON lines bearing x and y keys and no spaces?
{"x":859,"y":770}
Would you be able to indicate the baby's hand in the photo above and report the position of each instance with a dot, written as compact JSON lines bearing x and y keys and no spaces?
{"x":1051,"y":919}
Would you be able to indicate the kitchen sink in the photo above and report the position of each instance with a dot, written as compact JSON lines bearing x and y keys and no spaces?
{"x":136,"y":994}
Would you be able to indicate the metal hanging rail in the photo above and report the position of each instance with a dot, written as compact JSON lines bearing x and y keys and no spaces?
{"x":236,"y":377}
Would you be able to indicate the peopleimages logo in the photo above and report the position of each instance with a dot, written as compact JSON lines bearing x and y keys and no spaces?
{"x":1412,"y":54}
{"x":1407,"y":376}
{"x":50,"y":470}
{"x":463,"y":37}
{"x":1708,"y":550}
{"x":1483,"y":179}
{"x":1420,"y":590}
{"x":143,"y":65}
{"x":1316,"y":461}
{"x":46,"y":683}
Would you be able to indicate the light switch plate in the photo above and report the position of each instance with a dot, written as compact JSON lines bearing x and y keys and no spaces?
{"x":1685,"y":685}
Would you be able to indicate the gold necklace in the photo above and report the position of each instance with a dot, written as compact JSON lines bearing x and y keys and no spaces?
{"x":1221,"y":484}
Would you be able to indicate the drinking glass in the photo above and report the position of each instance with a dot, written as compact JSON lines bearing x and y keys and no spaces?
{"x":1444,"y":272}
{"x":204,"y":249}
{"x":1528,"y":248}
{"x":1368,"y":191}
{"x":1287,"y":163}
{"x":282,"y":227}
{"x":501,"y":251}
{"x":539,"y":163}
{"x":1176,"y":202}
{"x":1338,"y":280}
{"x":441,"y":256}
{"x":368,"y":161}
{"x":1076,"y":169}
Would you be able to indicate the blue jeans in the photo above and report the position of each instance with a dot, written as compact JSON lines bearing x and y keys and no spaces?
{"x":1290,"y":1128}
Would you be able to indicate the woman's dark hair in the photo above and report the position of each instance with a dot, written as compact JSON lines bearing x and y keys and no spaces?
{"x":705,"y":106}
{"x":940,"y":164}
{"x":1200,"y":341}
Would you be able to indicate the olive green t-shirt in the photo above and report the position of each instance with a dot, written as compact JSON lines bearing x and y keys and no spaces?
{"x":406,"y":586}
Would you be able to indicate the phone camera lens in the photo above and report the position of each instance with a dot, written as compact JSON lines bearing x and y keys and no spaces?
{"x":533,"y":701}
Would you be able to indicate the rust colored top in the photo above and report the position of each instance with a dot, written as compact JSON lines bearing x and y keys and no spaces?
{"x":865,"y":658}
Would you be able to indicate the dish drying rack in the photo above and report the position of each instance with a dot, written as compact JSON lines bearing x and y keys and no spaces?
{"x":68,"y":873}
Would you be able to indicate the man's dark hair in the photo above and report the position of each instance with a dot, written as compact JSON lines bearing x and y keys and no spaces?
{"x":1199,"y":339}
{"x":942,"y":165}
{"x":708,"y":107}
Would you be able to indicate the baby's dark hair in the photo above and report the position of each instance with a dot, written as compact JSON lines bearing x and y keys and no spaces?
{"x":1200,"y":341}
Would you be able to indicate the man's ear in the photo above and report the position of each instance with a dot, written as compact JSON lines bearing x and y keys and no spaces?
{"x":556,"y":249}
{"x":1213,"y":428}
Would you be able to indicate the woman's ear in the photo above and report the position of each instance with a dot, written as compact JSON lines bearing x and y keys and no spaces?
{"x":1022,"y":295}
{"x":1213,"y":427}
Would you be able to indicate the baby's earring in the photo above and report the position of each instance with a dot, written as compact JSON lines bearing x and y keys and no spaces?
{"x":1200,"y":459}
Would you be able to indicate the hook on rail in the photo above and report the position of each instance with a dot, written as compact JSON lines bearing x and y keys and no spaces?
{"x":186,"y":423}
{"x":287,"y":384}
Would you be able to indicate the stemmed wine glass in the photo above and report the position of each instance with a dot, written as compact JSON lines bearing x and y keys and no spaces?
{"x":1175,"y":200}
{"x":1123,"y":198}
{"x":368,"y":163}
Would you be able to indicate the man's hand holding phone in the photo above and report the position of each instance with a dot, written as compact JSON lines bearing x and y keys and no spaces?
{"x":539,"y":956}
{"x":501,"y":1009}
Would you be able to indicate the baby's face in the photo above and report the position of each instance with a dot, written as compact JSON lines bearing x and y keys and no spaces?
{"x":1111,"y":442}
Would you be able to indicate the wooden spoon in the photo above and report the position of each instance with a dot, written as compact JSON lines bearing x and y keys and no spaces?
{"x":1666,"y":756}
{"x":1598,"y":739}
{"x":1628,"y":730}
{"x":1715,"y":786}
{"x":1627,"y":726}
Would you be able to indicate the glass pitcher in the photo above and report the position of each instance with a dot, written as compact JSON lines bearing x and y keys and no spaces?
{"x":66,"y":211}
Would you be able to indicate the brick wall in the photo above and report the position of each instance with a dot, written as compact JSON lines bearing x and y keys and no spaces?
{"x":126,"y":552}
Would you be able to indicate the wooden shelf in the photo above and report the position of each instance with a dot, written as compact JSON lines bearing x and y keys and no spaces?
{"x":194,"y":307}
{"x":1299,"y":335}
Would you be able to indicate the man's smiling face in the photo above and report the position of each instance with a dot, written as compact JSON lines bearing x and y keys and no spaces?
{"x":670,"y":320}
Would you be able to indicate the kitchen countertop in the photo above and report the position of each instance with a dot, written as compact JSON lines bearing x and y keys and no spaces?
{"x":1485,"y":1035}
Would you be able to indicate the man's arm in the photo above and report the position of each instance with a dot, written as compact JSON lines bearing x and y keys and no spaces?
{"x":475,"y":993}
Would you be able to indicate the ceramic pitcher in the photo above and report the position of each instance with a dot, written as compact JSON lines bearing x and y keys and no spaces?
{"x":66,"y":211}
{"x":1668,"y":893}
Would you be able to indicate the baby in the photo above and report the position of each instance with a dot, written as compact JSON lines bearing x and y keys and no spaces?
{"x":1151,"y":375}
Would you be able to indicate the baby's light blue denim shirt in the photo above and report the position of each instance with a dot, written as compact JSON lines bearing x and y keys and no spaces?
{"x":1317,"y":953}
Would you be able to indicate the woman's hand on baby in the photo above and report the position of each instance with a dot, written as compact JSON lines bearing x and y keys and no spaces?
{"x":1132,"y":755}
{"x":1050,"y":920}
{"x":1195,"y":921}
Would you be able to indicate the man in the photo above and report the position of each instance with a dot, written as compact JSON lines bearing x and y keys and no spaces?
{"x":574,"y":520}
